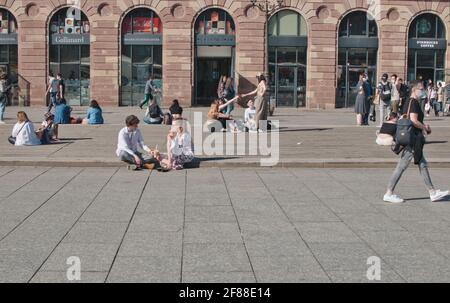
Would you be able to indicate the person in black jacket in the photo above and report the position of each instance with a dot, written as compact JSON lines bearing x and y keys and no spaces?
{"x":176,"y":110}
{"x":415,"y":150}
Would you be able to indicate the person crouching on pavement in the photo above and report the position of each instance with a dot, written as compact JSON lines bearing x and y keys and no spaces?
{"x":131,"y":144}
{"x":179,"y":147}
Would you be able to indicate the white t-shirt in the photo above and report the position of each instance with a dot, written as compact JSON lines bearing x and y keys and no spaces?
{"x":54,"y":85}
{"x":25,"y":134}
{"x":181,"y":144}
{"x":249,"y":118}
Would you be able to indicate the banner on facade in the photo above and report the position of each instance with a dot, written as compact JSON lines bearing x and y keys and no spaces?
{"x":216,"y":40}
{"x":142,"y":39}
{"x":10,"y":39}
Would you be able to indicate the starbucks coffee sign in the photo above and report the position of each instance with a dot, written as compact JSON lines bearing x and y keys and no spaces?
{"x":70,"y":39}
{"x":422,"y":43}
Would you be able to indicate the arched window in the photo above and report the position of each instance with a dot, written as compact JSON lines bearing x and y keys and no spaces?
{"x":142,"y":32}
{"x":214,"y":53}
{"x":427,"y":47}
{"x":287,"y":58}
{"x":69,"y":53}
{"x":427,"y":26}
{"x":358,"y":23}
{"x":357,"y":53}
{"x":8,"y":50}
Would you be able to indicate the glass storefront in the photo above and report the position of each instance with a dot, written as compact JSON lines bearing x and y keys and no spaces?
{"x":69,"y":53}
{"x":427,"y":49}
{"x":214,"y":53}
{"x":287,"y":59}
{"x":8,"y":52}
{"x":358,"y":49}
{"x":141,"y":55}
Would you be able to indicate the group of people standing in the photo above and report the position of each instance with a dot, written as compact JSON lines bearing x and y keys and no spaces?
{"x":391,"y":95}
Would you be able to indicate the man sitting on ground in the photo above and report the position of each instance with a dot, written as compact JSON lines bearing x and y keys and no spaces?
{"x":130,"y":144}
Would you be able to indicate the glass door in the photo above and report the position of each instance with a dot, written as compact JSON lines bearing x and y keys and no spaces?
{"x":208,"y":73}
{"x":287,"y":86}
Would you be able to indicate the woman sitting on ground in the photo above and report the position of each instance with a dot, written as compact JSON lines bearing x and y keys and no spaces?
{"x":154,"y":114}
{"x":215,"y":116}
{"x":48,"y":131}
{"x":176,"y":110}
{"x":62,"y":113}
{"x":386,"y":135}
{"x":94,"y":114}
{"x":24,"y":131}
{"x":179,"y":147}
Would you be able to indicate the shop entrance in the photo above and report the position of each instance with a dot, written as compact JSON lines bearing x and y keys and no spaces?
{"x":209,"y":71}
{"x":214,"y":54}
{"x":289,"y":82}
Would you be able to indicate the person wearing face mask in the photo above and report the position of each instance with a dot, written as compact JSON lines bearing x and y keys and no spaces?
{"x":395,"y":93}
{"x":384,"y":89}
{"x":415,"y":150}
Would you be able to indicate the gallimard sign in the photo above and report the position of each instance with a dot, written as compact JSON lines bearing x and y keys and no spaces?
{"x":427,"y":43}
{"x":10,"y":39}
{"x":70,"y":39}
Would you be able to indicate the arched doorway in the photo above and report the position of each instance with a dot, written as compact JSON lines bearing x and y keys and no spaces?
{"x":8,"y":52}
{"x":358,"y":52}
{"x":288,"y":41}
{"x":427,"y":48}
{"x":69,"y":53}
{"x":141,"y":55}
{"x":214,"y":53}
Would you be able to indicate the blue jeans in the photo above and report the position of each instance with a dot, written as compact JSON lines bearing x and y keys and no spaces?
{"x":3,"y":101}
{"x":53,"y":101}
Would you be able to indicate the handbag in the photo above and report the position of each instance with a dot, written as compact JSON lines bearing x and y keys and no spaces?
{"x":376,"y":99}
{"x":405,"y":129}
{"x":12,"y":139}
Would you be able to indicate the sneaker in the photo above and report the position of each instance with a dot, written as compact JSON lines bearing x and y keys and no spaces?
{"x":132,"y":167}
{"x":2,"y":122}
{"x":439,"y":195}
{"x":393,"y":199}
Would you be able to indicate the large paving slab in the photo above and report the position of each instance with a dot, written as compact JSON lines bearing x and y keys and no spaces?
{"x":219,"y":225}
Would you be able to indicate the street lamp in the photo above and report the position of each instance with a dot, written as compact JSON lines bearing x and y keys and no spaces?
{"x":268,"y":7}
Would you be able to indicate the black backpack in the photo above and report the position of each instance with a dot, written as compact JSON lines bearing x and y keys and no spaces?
{"x":384,"y":88}
{"x":153,"y":112}
{"x":405,"y":128}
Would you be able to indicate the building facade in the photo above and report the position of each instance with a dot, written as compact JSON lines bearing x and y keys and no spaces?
{"x":106,"y":50}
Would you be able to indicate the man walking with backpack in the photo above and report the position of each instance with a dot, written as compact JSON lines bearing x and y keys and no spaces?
{"x":385,"y":91}
{"x":148,"y":93}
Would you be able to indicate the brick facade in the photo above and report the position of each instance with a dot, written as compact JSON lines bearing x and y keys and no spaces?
{"x":178,"y":17}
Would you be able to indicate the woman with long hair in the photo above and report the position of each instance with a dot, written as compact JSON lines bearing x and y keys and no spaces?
{"x":221,"y":87}
{"x":94,"y":114}
{"x":24,"y":132}
{"x":261,"y":105}
{"x":214,"y":114}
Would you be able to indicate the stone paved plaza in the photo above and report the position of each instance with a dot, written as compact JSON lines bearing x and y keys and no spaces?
{"x":219,"y":225}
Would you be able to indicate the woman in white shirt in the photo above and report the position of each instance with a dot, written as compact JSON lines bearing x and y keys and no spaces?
{"x":24,"y":131}
{"x":179,"y":147}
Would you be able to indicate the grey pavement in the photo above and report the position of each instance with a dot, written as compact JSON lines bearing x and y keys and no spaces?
{"x":307,"y":138}
{"x":219,"y":225}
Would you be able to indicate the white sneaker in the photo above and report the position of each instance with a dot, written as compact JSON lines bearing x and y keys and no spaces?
{"x":438,"y":195}
{"x":393,"y":199}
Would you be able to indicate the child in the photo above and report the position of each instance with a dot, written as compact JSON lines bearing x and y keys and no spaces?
{"x":131,"y":144}
{"x":48,"y":131}
{"x":249,"y":117}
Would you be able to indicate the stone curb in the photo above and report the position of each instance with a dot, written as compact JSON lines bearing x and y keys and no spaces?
{"x":224,"y":163}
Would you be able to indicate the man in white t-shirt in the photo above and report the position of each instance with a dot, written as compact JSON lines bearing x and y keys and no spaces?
{"x":53,"y":89}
